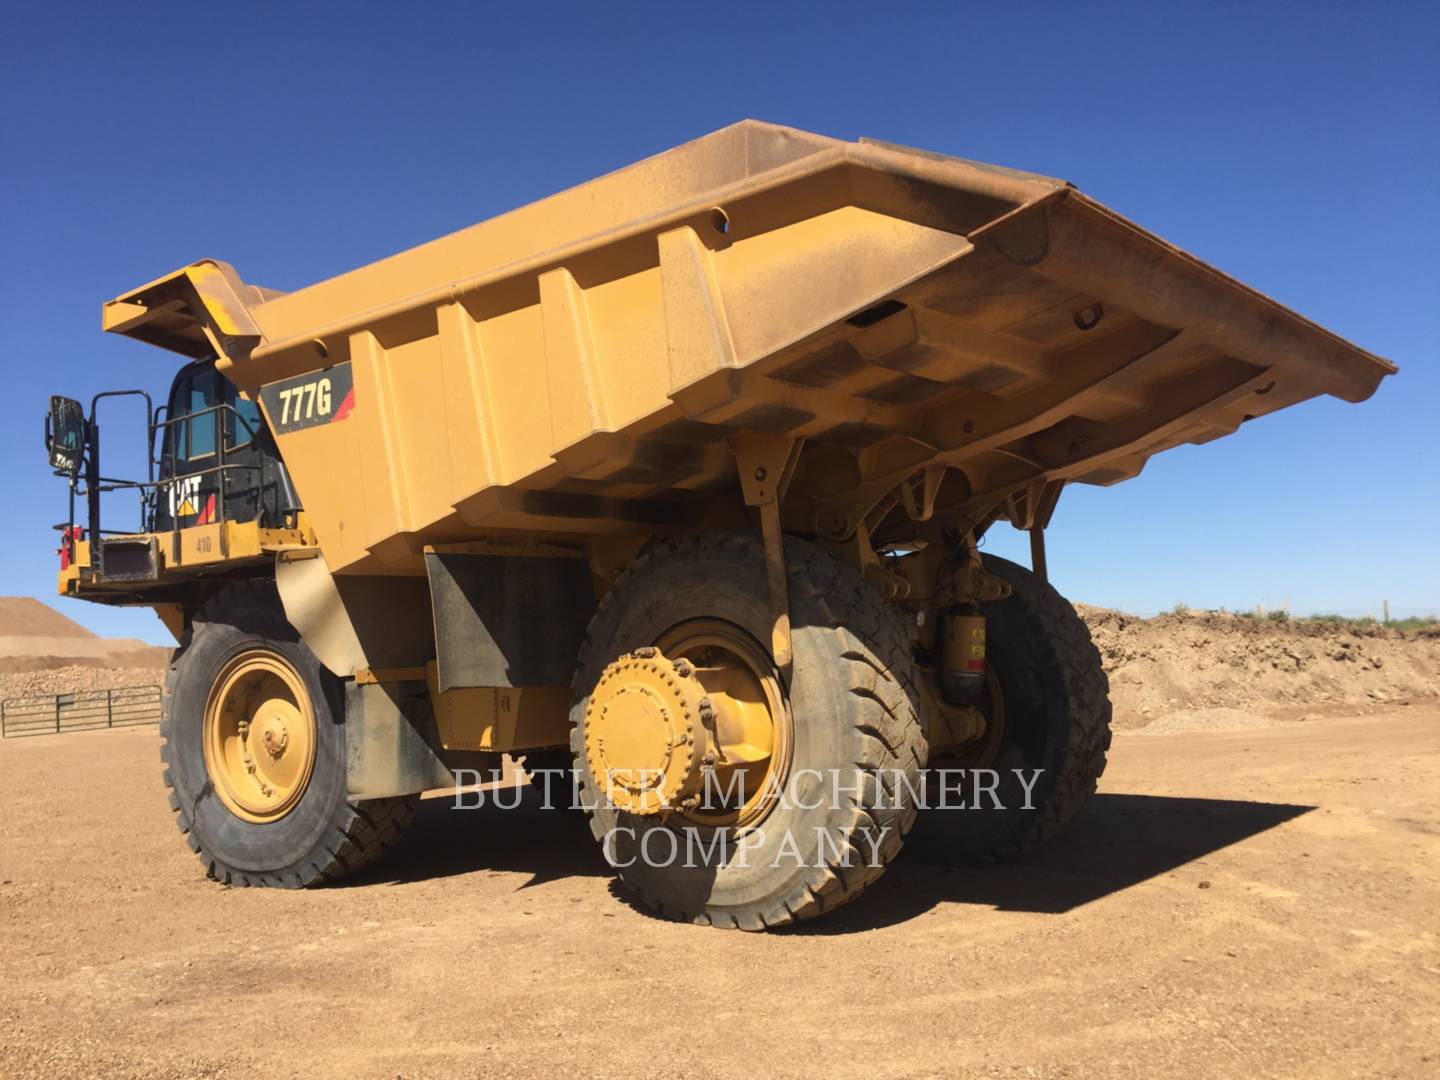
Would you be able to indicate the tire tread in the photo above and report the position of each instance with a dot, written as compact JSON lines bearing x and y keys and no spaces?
{"x":359,"y":831}
{"x":874,"y":652}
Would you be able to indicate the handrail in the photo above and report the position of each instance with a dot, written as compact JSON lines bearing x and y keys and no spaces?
{"x":94,"y":484}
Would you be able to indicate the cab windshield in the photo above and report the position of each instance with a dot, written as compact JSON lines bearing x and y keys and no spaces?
{"x":189,"y":440}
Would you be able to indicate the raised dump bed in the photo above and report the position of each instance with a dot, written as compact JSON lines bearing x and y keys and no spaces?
{"x":673,"y":483}
{"x":577,"y":365}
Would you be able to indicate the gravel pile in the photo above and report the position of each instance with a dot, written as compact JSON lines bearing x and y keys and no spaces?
{"x":70,"y":680}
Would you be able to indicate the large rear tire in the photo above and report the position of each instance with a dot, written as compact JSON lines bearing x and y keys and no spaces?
{"x":849,"y":722}
{"x":253,"y":741}
{"x":1054,"y":715}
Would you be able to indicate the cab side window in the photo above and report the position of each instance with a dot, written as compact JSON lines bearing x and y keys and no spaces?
{"x":188,"y":437}
{"x":201,"y":429}
{"x":242,"y":425}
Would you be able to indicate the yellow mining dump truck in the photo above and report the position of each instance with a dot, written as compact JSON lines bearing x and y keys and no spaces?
{"x":671,"y":483}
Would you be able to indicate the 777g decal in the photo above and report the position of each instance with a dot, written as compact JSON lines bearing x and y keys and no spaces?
{"x":321,"y":397}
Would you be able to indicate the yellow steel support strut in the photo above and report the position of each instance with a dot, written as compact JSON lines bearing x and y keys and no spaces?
{"x":766,"y":463}
{"x":1029,"y":509}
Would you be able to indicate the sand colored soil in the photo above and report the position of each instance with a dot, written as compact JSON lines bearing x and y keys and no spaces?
{"x":38,"y":653}
{"x":1232,"y":904}
{"x":1204,"y":671}
{"x":24,"y":616}
{"x":43,"y":652}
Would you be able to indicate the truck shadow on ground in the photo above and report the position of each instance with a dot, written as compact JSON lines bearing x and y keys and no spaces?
{"x":1119,"y":841}
{"x":527,"y":838}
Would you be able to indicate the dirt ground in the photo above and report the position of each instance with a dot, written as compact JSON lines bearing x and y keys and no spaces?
{"x":1243,"y":903}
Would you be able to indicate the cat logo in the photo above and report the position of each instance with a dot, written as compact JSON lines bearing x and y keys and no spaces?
{"x":182,"y":495}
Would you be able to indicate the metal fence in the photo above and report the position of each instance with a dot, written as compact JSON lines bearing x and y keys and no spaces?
{"x":89,"y":710}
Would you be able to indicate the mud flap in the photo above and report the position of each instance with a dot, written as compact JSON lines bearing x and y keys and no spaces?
{"x":508,"y":621}
{"x":388,"y":748}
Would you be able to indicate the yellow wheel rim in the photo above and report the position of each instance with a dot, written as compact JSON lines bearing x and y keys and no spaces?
{"x":259,"y":736}
{"x":755,"y":734}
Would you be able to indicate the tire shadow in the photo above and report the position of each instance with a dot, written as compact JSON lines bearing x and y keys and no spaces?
{"x":1118,"y":841}
{"x":549,"y":844}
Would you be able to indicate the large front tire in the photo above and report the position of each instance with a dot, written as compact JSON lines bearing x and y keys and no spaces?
{"x":851,"y":726}
{"x":253,"y":741}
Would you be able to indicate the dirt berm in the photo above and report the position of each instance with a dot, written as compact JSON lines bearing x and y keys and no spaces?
{"x":1206,"y":671}
{"x":43,"y":652}
{"x":1175,"y":672}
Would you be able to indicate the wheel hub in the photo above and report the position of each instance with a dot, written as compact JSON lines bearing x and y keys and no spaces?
{"x":274,"y":738}
{"x":259,"y":736}
{"x":645,"y":737}
{"x":706,"y":735}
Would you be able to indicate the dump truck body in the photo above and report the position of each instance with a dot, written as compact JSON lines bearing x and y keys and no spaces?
{"x":765,"y":356}
{"x":576,"y":366}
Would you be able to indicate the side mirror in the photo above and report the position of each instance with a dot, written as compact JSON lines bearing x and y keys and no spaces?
{"x":65,"y":435}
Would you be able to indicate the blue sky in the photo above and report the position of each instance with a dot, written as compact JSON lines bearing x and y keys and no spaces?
{"x":1296,"y":147}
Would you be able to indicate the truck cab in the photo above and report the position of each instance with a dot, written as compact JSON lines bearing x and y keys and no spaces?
{"x":215,"y":495}
{"x":203,"y":410}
